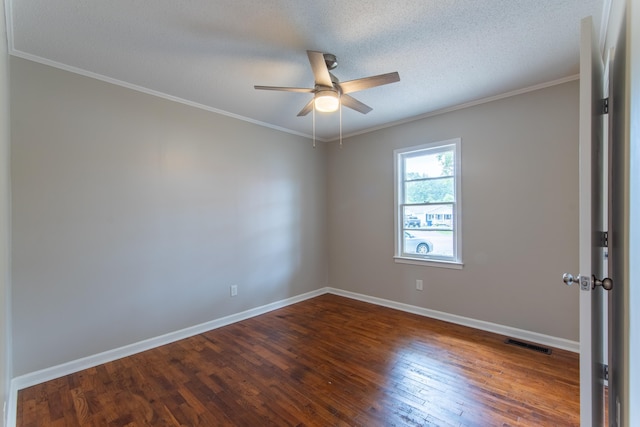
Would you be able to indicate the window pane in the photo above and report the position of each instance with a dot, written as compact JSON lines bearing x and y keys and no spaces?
{"x":434,"y":242}
{"x":432,"y":165}
{"x":429,"y":191}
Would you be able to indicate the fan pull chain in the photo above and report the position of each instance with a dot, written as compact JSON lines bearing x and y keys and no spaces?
{"x":340,"y":125}
{"x":314,"y":124}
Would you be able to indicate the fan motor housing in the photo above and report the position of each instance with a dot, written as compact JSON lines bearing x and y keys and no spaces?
{"x":331,"y":60}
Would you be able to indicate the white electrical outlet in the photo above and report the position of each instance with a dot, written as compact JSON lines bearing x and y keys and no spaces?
{"x":419,"y":284}
{"x":234,"y":290}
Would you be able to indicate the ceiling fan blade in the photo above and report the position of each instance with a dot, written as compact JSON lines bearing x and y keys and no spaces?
{"x":307,"y":108}
{"x":285,"y":89}
{"x":369,"y":82}
{"x":354,"y":104}
{"x":319,"y":67}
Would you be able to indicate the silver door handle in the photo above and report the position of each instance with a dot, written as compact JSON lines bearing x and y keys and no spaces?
{"x":569,"y":279}
{"x":606,"y":283}
{"x":587,"y":283}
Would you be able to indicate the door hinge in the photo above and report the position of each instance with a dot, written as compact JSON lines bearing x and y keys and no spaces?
{"x":605,"y":372}
{"x":604,"y":107}
{"x":602,"y":239}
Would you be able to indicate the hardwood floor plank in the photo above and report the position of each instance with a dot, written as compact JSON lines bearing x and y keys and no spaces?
{"x":328,"y":361}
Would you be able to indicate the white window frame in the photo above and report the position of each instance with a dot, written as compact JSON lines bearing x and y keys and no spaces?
{"x":454,"y":262}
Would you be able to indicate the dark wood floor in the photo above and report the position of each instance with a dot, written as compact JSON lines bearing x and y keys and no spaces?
{"x":328,"y":361}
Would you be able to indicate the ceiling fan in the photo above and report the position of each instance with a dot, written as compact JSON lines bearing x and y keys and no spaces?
{"x":329,"y":93}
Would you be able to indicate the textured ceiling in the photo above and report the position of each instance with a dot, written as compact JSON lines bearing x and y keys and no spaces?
{"x":212,"y":52}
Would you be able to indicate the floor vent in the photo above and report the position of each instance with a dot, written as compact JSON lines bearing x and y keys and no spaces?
{"x":534,"y":347}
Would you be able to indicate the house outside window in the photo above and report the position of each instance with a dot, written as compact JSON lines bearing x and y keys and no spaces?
{"x":428,"y":205}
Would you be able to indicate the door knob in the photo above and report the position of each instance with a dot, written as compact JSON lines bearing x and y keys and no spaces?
{"x":606,"y":283}
{"x":584,"y":281}
{"x":587,"y":283}
{"x":570,"y":279}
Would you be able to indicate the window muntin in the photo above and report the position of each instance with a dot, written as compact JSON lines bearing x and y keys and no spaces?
{"x":427,"y":202}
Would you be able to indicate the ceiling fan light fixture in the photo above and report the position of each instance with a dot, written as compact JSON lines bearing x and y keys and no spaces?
{"x":327,"y":101}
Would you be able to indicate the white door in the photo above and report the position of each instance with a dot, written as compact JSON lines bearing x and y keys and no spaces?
{"x":591,"y":228}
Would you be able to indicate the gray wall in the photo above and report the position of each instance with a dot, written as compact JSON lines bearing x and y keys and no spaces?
{"x":519,"y":219}
{"x":5,"y":341}
{"x":133,"y":215}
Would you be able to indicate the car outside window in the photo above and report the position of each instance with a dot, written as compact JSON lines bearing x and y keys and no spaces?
{"x":427,"y":199}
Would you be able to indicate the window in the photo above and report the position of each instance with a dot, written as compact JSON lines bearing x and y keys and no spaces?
{"x":427,"y":198}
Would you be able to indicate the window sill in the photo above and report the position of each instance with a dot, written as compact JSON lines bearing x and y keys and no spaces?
{"x":455,"y":265}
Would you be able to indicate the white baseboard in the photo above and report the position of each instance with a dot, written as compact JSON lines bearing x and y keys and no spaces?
{"x":522,"y":334}
{"x":33,"y":378}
